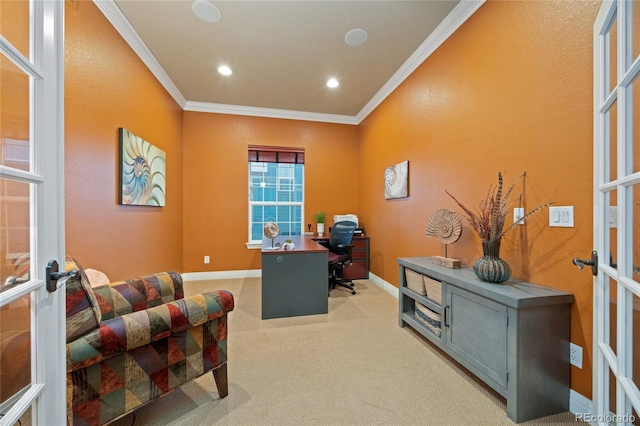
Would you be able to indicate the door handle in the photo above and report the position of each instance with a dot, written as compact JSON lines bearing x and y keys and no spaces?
{"x":593,"y":262}
{"x":52,"y":275}
{"x":446,"y":316}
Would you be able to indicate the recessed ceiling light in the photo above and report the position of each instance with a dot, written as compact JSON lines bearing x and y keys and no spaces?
{"x":333,"y":83}
{"x":355,"y":37}
{"x":224,"y":70}
{"x":205,"y":11}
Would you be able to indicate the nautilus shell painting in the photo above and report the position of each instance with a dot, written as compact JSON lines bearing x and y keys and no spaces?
{"x":444,"y":225}
{"x":143,"y":175}
{"x":396,"y":181}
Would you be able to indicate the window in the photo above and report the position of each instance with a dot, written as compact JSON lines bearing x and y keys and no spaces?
{"x":276,"y":190}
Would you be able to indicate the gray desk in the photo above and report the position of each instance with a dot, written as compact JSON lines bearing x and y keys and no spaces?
{"x":294,"y":282}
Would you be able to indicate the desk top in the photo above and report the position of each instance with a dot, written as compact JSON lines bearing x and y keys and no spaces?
{"x":303,"y":245}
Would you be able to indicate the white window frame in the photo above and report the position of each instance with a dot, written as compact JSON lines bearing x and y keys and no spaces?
{"x":256,"y":244}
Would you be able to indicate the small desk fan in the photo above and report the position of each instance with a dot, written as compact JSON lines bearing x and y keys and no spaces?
{"x":444,"y":225}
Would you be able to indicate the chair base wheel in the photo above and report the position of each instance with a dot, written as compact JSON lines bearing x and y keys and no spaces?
{"x":347,"y":285}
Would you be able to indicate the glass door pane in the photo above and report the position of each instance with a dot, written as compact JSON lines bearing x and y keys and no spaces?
{"x":14,"y":22}
{"x":15,"y":317}
{"x":14,"y":116}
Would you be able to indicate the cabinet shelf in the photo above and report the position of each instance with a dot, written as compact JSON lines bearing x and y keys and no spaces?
{"x":410,"y":319}
{"x":422,"y":299}
{"x":513,"y":336}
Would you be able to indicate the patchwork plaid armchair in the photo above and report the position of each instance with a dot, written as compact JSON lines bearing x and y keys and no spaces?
{"x":131,"y":341}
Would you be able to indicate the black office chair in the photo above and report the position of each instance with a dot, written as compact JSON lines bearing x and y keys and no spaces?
{"x":339,"y":246}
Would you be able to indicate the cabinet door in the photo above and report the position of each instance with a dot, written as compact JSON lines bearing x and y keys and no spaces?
{"x":478,"y":332}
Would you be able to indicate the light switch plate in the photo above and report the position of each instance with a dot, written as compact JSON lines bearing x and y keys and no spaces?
{"x":518,"y":213}
{"x":561,"y":216}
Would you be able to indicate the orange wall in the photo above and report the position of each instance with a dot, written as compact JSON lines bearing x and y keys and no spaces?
{"x":106,"y":87}
{"x":216,"y":180}
{"x":510,"y":91}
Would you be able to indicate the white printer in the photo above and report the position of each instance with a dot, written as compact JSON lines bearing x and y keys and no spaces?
{"x":349,"y":217}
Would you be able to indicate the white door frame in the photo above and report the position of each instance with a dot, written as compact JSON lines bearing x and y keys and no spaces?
{"x":47,"y":392}
{"x":620,"y":361}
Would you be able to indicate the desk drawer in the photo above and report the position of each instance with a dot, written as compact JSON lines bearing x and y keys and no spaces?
{"x":359,"y":254}
{"x":357,"y":271}
{"x":359,"y":243}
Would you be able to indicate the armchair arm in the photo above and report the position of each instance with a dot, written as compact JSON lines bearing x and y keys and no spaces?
{"x":139,"y":328}
{"x":123,"y":297}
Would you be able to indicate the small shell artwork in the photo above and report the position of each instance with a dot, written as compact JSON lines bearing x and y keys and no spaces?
{"x":444,"y":225}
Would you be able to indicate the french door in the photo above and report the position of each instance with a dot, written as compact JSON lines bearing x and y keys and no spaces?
{"x":32,"y":320}
{"x":616,"y":366}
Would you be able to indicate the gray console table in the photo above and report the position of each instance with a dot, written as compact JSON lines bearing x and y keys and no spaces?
{"x":294,"y":282}
{"x":514,"y":336}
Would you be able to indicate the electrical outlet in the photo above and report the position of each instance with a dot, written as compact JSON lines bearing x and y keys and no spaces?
{"x":207,"y":259}
{"x":575,"y":355}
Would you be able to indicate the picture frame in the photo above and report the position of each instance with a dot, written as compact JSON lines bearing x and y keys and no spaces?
{"x":142,"y":171}
{"x":396,"y":181}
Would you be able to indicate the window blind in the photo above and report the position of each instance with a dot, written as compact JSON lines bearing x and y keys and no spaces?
{"x":276,"y":154}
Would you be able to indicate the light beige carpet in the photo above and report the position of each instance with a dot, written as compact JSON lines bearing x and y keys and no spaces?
{"x":352,"y":366}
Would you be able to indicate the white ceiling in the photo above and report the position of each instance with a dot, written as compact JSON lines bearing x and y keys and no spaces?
{"x":283,"y":52}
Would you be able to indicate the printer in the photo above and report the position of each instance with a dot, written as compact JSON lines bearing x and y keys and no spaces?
{"x":349,"y":217}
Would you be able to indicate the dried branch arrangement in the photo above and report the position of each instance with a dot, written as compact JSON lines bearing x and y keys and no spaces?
{"x":489,"y":217}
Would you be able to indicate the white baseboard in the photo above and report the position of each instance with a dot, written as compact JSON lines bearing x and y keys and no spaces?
{"x":221,"y":275}
{"x":579,"y":404}
{"x":389,"y":288}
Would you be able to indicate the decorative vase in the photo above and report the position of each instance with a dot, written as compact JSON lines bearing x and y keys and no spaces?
{"x":490,"y":267}
{"x":320,"y":227}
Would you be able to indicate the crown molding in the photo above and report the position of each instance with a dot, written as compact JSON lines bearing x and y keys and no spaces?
{"x":448,"y":26}
{"x":269,"y":112}
{"x":111,"y":11}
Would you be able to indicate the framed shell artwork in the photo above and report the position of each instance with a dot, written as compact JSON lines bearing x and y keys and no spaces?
{"x":396,"y":181}
{"x":143,"y":171}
